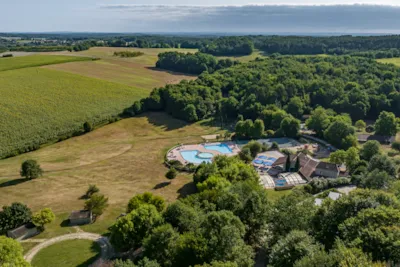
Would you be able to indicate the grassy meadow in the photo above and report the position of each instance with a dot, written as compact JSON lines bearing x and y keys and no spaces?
{"x":395,"y":61}
{"x":12,"y":63}
{"x":123,"y":159}
{"x":80,"y":253}
{"x":39,"y":105}
{"x":136,"y":71}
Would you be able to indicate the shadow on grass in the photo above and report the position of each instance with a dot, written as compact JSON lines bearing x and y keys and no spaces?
{"x":164,"y":120}
{"x":162,"y":185}
{"x":65,"y":223}
{"x":187,"y":189}
{"x":14,"y":182}
{"x":95,"y":248}
{"x":171,"y":72}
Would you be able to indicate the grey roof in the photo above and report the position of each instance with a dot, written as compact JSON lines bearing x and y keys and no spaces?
{"x":80,"y":214}
{"x":318,"y":202}
{"x":22,"y":230}
{"x":374,"y":137}
{"x":334,"y":195}
{"x":327,"y":166}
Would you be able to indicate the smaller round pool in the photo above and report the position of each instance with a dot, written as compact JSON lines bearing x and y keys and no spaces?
{"x":205,"y":155}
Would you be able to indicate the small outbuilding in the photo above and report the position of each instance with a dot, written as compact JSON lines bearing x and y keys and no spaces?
{"x":23,"y":232}
{"x":385,"y":140}
{"x":80,"y":217}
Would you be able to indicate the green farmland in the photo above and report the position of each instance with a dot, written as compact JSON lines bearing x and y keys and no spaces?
{"x":13,"y":63}
{"x":39,"y":105}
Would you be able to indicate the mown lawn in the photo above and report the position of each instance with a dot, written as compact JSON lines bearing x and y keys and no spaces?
{"x":13,"y":63}
{"x":38,"y":105}
{"x":71,"y":253}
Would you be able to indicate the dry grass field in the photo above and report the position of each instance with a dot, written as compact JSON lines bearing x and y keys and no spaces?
{"x":137,"y":71}
{"x":123,"y":159}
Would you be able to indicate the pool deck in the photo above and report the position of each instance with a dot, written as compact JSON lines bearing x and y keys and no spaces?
{"x":175,"y":154}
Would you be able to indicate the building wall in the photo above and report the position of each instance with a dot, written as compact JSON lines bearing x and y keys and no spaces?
{"x":327,"y":173}
{"x":80,"y":221}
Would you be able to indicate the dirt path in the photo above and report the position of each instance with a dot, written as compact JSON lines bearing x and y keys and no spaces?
{"x":106,"y":248}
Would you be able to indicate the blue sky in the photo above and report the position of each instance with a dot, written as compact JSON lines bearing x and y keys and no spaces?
{"x":256,"y":16}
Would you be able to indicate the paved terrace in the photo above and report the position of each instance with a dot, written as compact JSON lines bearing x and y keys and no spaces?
{"x":175,"y":154}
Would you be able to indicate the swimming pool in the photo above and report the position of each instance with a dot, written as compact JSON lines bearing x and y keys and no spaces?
{"x":222,"y":148}
{"x":194,"y":156}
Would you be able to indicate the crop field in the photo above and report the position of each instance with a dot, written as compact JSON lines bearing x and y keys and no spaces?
{"x":395,"y":61}
{"x":38,"y":105}
{"x":136,"y":71}
{"x":13,"y":63}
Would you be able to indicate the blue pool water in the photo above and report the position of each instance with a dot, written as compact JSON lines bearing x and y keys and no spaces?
{"x":192,"y":156}
{"x":223,"y":148}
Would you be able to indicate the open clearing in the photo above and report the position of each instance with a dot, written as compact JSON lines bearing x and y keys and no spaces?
{"x":39,"y":105}
{"x":12,"y":63}
{"x":80,"y":253}
{"x":136,"y":71}
{"x":123,"y":159}
{"x":395,"y":61}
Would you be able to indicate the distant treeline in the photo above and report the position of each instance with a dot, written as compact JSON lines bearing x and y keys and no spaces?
{"x":192,"y":63}
{"x":128,"y":54}
{"x":339,"y":45}
{"x":225,"y":45}
{"x":229,"y":46}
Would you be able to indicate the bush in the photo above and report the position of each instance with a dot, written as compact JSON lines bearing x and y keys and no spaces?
{"x":274,"y":146}
{"x":370,"y":128}
{"x":87,"y":127}
{"x":318,"y":185}
{"x":171,"y":174}
{"x":396,"y":145}
{"x":30,"y":169}
{"x":128,"y":54}
{"x":8,"y":55}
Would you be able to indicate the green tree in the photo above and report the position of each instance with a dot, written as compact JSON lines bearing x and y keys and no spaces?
{"x":370,"y":149}
{"x":297,"y":164}
{"x":190,"y":113}
{"x":352,"y":157}
{"x":30,"y":169}
{"x":290,"y":127}
{"x":296,"y":245}
{"x":97,"y":203}
{"x":258,"y":129}
{"x":341,"y":134}
{"x":255,"y":148}
{"x":213,"y":182}
{"x":93,"y":189}
{"x":295,"y":107}
{"x":183,"y":217}
{"x":129,"y":231}
{"x":11,"y":253}
{"x":376,"y":231}
{"x":219,"y":264}
{"x":245,"y":154}
{"x":145,"y":262}
{"x":288,"y":163}
{"x":382,"y":163}
{"x":386,"y":124}
{"x":14,"y":216}
{"x":171,"y":174}
{"x":137,"y":107}
{"x":146,"y":198}
{"x":319,"y":121}
{"x":43,"y":217}
{"x":161,"y":245}
{"x":360,"y":125}
{"x":338,"y":157}
{"x":376,"y":179}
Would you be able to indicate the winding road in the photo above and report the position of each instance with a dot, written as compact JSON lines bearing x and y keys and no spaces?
{"x":107,"y":250}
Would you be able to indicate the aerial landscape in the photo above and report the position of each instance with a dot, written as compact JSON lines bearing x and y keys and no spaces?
{"x":200,"y":134}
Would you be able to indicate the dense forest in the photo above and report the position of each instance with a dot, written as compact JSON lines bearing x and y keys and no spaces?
{"x":358,"y":86}
{"x":229,"y":46}
{"x":192,"y":63}
{"x":231,"y":219}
